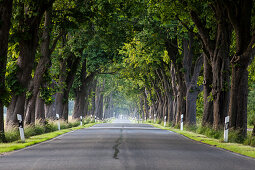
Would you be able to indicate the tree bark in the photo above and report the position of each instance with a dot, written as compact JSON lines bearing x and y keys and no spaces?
{"x":93,"y":101}
{"x":5,"y":18}
{"x":208,"y":103}
{"x":99,"y":100}
{"x":192,"y":92}
{"x":39,"y":109}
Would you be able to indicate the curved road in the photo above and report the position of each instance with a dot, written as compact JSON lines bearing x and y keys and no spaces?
{"x":122,"y":145}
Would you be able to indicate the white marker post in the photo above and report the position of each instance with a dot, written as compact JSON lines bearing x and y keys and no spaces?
{"x":95,"y":119}
{"x":182,"y":122}
{"x":226,"y":129}
{"x":57,"y":116}
{"x":81,"y":120}
{"x":91,"y":118}
{"x":154,"y":118}
{"x":165,"y":121}
{"x":21,"y":129}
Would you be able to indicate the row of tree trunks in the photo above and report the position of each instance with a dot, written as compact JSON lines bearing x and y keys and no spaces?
{"x":217,"y":51}
{"x":39,"y":71}
{"x":108,"y":109}
{"x":27,"y":47}
{"x":67,"y":79}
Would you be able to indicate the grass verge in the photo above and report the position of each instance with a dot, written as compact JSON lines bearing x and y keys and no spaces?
{"x":233,"y":147}
{"x":8,"y":147}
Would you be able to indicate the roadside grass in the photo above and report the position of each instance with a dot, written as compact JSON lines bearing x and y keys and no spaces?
{"x":233,"y":147}
{"x":40,"y":133}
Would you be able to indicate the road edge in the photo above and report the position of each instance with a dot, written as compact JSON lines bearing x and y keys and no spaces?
{"x":26,"y":145}
{"x":212,"y":142}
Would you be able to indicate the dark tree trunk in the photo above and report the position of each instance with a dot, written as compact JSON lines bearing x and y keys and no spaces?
{"x":50,"y":109}
{"x":26,"y":58}
{"x":191,"y":79}
{"x":40,"y":70}
{"x":208,"y":103}
{"x":238,"y":99}
{"x":5,"y":18}
{"x":39,"y":109}
{"x":220,"y":88}
{"x":99,"y":100}
{"x":240,"y":16}
{"x":181,"y":103}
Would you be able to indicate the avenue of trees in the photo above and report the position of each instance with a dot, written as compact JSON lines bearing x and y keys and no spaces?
{"x":148,"y":57}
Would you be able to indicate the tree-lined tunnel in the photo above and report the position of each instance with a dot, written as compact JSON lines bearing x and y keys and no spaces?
{"x":140,"y":59}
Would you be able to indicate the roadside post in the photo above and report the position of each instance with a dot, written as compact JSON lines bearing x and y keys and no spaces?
{"x":226,"y":129}
{"x":57,"y":115}
{"x":154,"y":118}
{"x":165,"y":121}
{"x":21,"y":129}
{"x":182,"y":122}
{"x":95,"y":119}
{"x":81,"y":120}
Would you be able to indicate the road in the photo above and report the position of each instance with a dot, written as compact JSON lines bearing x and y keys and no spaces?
{"x":122,"y":145}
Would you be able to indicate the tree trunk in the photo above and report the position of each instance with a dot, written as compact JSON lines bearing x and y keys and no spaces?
{"x":240,"y":16}
{"x":238,"y":98}
{"x":181,"y":103}
{"x":99,"y":100}
{"x":208,"y":103}
{"x":93,"y":101}
{"x":50,"y":109}
{"x":5,"y":18}
{"x":39,"y":109}
{"x":220,"y":89}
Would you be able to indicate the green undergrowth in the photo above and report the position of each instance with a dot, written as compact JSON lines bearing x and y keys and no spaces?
{"x":215,"y":138}
{"x":7,"y":147}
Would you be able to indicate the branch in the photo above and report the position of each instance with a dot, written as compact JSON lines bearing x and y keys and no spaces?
{"x":197,"y":69}
{"x":55,"y":42}
{"x":108,"y":73}
{"x":204,"y":33}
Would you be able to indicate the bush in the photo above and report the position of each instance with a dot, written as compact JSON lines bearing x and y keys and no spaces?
{"x":250,"y":140}
{"x":210,"y":132}
{"x":12,"y":134}
{"x":235,"y":136}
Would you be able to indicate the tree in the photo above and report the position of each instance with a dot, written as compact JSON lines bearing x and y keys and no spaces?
{"x":240,"y":16}
{"x":5,"y":23}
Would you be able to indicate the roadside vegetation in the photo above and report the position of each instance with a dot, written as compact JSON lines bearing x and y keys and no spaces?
{"x":215,"y":138}
{"x":42,"y":132}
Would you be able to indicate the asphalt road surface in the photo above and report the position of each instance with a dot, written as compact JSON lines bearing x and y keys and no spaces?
{"x":122,"y":145}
